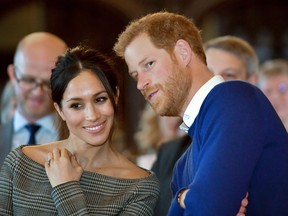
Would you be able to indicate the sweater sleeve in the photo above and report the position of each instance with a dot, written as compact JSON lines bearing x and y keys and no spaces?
{"x":6,"y":186}
{"x":69,"y":199}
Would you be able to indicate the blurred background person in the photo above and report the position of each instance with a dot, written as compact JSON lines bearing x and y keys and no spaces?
{"x":8,"y":103}
{"x":273,"y":81}
{"x":234,"y":59}
{"x":152,"y":132}
{"x":29,"y":74}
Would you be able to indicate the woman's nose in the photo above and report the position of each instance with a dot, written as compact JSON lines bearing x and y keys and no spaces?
{"x":91,"y":113}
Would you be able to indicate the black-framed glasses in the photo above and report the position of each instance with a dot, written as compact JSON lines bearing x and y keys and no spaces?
{"x":29,"y":83}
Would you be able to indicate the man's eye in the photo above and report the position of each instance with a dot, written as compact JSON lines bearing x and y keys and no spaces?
{"x":150,"y":64}
{"x":28,"y":80}
{"x":229,"y":76}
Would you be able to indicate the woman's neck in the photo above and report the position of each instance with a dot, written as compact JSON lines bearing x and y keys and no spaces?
{"x":91,"y":157}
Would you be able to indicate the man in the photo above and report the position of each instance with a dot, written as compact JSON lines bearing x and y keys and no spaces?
{"x":239,"y":143}
{"x":34,"y":58}
{"x":234,"y":59}
{"x":273,"y":81}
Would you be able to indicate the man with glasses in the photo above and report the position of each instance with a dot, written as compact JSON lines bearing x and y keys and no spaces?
{"x":273,"y":81}
{"x":34,"y":58}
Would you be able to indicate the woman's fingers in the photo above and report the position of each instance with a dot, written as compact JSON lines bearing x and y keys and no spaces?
{"x":61,"y":166}
{"x":50,"y":157}
{"x":56,"y":153}
{"x":74,"y":161}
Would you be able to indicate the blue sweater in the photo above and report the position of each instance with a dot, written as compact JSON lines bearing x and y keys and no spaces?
{"x":239,"y":145}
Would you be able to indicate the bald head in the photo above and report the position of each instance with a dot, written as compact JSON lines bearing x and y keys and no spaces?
{"x":39,"y":48}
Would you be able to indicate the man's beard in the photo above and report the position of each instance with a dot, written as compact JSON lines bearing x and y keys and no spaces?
{"x":175,"y":91}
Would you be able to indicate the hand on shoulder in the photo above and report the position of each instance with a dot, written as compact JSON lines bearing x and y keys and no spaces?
{"x":61,"y":167}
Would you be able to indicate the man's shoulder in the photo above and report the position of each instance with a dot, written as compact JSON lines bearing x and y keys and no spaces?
{"x":8,"y":126}
{"x":237,"y":92}
{"x":236,"y":85}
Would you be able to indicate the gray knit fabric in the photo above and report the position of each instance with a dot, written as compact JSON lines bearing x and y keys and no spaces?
{"x":26,"y":190}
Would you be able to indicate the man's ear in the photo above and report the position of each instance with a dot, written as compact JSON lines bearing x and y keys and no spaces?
{"x":10,"y":72}
{"x":183,"y":51}
{"x":59,"y":111}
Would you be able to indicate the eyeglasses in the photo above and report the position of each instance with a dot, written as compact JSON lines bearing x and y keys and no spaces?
{"x":282,"y":88}
{"x":30,"y":83}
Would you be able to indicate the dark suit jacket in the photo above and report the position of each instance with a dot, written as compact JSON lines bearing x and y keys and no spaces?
{"x":6,"y":133}
{"x":167,"y":156}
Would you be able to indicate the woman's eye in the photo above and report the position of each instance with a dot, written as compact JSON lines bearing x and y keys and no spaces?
{"x":75,"y":106}
{"x":101,"y":99}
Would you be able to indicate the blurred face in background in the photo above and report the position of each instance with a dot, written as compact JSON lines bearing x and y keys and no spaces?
{"x":276,"y":89}
{"x":31,"y":83}
{"x":30,"y":74}
{"x":170,"y":127}
{"x":226,"y":64}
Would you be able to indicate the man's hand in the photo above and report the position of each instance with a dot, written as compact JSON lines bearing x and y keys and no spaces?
{"x":241,"y":211}
{"x":243,"y":206}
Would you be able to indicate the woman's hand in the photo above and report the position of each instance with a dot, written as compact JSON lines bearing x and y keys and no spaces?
{"x":62,"y":167}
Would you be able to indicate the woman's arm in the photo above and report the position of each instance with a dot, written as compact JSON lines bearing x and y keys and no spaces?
{"x":64,"y":174}
{"x":6,"y":187}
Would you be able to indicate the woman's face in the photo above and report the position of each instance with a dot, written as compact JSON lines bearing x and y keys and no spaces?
{"x":87,"y":109}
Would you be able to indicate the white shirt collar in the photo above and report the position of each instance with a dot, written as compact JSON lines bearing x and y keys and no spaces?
{"x":193,"y":108}
{"x":48,"y":122}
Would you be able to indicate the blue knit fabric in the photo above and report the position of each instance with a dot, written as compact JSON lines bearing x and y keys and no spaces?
{"x":239,"y":145}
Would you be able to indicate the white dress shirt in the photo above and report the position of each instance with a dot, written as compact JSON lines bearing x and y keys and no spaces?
{"x":47,"y":133}
{"x":193,"y":108}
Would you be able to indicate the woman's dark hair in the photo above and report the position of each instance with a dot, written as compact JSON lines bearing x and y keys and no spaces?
{"x":71,"y":64}
{"x":79,"y":59}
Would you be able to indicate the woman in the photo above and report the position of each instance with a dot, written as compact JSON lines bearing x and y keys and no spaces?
{"x":88,"y":177}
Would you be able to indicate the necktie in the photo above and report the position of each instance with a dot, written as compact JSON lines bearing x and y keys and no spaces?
{"x":32,"y":128}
